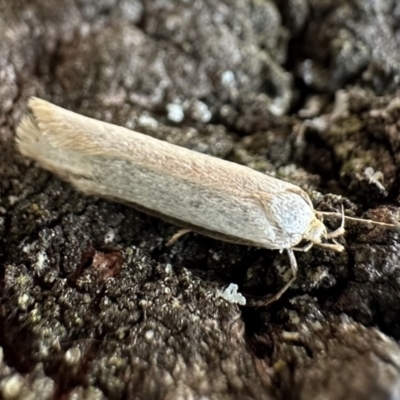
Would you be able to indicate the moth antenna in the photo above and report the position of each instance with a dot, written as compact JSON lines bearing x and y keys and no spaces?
{"x":365,"y":221}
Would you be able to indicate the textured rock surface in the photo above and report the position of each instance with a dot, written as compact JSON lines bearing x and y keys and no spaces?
{"x":94,"y":304}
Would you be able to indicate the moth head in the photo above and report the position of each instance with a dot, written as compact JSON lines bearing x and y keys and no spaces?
{"x":316,"y":232}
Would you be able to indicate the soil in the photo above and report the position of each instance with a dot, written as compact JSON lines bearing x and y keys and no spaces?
{"x":94,"y":305}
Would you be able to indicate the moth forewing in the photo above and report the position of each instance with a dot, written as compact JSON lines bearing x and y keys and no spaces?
{"x":212,"y":196}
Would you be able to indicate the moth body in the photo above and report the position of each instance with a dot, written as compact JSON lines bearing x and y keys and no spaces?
{"x":211,"y":196}
{"x":208,"y":195}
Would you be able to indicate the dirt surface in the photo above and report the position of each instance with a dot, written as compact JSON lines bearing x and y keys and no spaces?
{"x":94,"y":305}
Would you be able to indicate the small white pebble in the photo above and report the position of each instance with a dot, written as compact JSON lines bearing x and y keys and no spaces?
{"x":319,"y":123}
{"x":147,"y":121}
{"x":109,"y":237}
{"x":226,"y":110}
{"x":317,"y":326}
{"x":307,"y":71}
{"x":175,"y":303}
{"x":143,"y":303}
{"x":72,"y":355}
{"x":175,"y":112}
{"x":84,"y":29}
{"x":231,"y":294}
{"x":12,"y":387}
{"x":168,"y":268}
{"x":28,"y":248}
{"x":341,"y":106}
{"x":149,"y":335}
{"x":276,"y":109}
{"x":23,"y":302}
{"x":294,"y":318}
{"x":12,"y":200}
{"x":41,"y":259}
{"x":87,"y":299}
{"x":290,"y":336}
{"x":228,"y":78}
{"x":201,"y":112}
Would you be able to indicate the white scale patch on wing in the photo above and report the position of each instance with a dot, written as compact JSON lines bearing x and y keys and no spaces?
{"x":293,"y":215}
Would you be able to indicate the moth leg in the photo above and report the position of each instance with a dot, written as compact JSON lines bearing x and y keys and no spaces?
{"x":294,"y":268}
{"x":263,"y":303}
{"x":304,"y":248}
{"x":339,"y":231}
{"x":177,"y":236}
{"x":328,"y":246}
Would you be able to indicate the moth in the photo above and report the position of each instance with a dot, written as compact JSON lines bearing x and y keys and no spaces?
{"x":207,"y":195}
